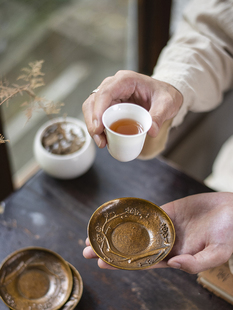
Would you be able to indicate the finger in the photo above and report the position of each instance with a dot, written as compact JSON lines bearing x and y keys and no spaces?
{"x":89,"y":253}
{"x":154,"y":129}
{"x":162,"y":264}
{"x":104,"y":265}
{"x":159,"y":115}
{"x":211,"y":256}
{"x":112,"y":90}
{"x":100,"y":140}
{"x":93,"y":109}
{"x":87,"y":108}
{"x":102,"y":100}
{"x":166,"y":102}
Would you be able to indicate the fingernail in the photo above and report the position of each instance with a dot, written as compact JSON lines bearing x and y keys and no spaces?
{"x":97,"y":140}
{"x":175,"y":265}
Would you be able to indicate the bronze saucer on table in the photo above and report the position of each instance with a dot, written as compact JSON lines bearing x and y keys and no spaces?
{"x":76,"y":292}
{"x":131,"y":233}
{"x":35,"y":278}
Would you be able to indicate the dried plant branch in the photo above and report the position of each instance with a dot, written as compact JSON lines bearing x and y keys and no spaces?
{"x":59,"y":140}
{"x":2,"y":139}
{"x":33,"y":78}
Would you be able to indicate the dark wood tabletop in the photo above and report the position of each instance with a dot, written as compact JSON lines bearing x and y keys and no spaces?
{"x":54,"y":214}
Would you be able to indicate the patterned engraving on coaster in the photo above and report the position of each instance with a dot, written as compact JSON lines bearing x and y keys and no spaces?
{"x":125,"y":237}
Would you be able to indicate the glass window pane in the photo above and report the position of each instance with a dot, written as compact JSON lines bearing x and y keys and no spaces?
{"x":81,"y":43}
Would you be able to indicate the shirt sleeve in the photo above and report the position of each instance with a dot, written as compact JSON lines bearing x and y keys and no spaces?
{"x":198,"y":59}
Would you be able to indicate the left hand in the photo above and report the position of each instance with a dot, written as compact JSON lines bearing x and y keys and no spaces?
{"x":204,"y":233}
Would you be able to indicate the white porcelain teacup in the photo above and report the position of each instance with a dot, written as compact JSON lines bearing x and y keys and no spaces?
{"x":124,"y":147}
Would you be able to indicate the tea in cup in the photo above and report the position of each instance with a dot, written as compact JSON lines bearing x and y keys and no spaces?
{"x":126,"y":126}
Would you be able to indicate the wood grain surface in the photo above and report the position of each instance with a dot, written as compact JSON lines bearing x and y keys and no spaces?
{"x":54,"y":214}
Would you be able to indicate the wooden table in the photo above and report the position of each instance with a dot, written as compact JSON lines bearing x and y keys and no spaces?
{"x":54,"y":214}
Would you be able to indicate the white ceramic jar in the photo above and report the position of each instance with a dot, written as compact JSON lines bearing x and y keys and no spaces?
{"x":65,"y":166}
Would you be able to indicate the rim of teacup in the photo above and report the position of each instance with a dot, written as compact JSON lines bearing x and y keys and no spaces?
{"x":131,"y":105}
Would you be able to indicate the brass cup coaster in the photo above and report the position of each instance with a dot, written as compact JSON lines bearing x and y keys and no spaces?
{"x":35,"y":278}
{"x":131,"y":233}
{"x":76,"y":292}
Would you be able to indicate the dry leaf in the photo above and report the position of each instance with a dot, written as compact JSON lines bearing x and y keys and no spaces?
{"x":2,"y":139}
{"x":32,"y":75}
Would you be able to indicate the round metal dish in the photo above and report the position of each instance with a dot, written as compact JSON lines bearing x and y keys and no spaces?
{"x":35,"y":278}
{"x":76,"y":292}
{"x":131,"y":233}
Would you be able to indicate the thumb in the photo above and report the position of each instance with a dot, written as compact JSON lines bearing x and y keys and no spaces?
{"x":155,"y":127}
{"x":211,"y":256}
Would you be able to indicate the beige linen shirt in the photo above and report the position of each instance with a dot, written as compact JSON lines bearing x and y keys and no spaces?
{"x":198,"y":61}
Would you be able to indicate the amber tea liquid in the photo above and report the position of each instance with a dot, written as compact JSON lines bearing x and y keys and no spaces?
{"x":126,"y":126}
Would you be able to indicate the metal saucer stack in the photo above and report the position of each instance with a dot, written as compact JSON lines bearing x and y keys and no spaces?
{"x":38,"y":278}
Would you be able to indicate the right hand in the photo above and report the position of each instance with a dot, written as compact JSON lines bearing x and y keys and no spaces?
{"x":162,"y":100}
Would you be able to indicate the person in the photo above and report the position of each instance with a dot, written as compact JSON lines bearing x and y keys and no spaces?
{"x":192,"y":74}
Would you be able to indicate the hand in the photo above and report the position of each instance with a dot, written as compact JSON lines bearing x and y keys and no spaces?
{"x":162,"y":100}
{"x":204,"y":233}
